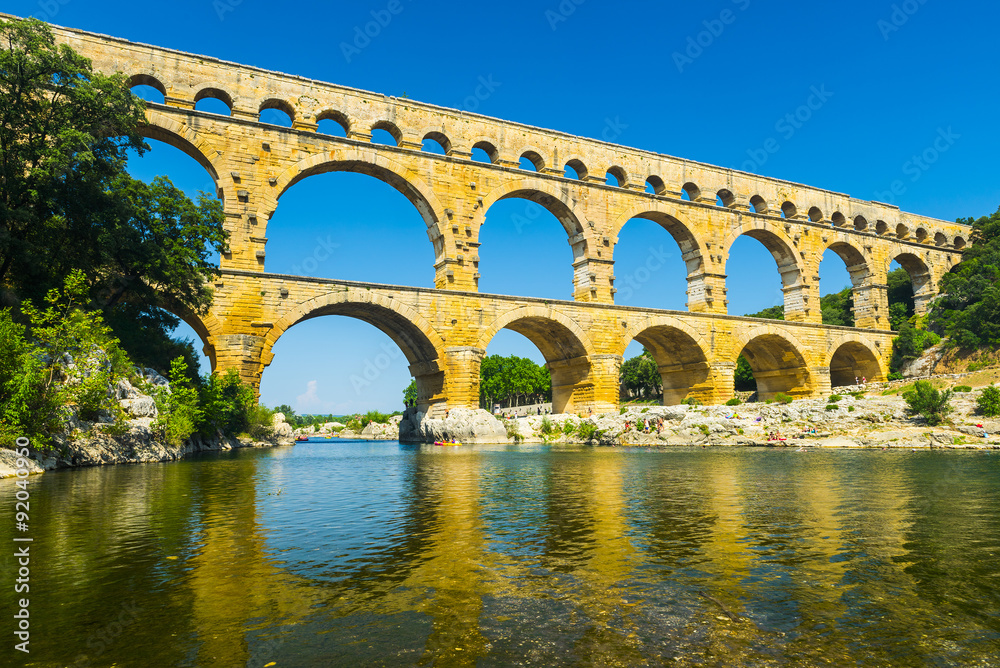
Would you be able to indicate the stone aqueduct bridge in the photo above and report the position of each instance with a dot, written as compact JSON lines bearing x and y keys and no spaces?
{"x":444,"y":331}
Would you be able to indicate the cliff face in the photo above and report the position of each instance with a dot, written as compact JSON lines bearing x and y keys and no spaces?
{"x":130,"y":442}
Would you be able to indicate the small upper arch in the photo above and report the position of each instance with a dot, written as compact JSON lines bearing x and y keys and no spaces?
{"x":147,"y":80}
{"x":488,"y":148}
{"x":692,"y":191}
{"x":213,"y":93}
{"x":726,"y":198}
{"x":278,"y":105}
{"x":389,"y":127}
{"x":815,"y":214}
{"x":758,"y":204}
{"x":439,"y":138}
{"x":534,"y":158}
{"x":788,"y":210}
{"x":860,"y":223}
{"x":617,"y":176}
{"x":338,"y":117}
{"x":656,"y":185}
{"x":577,"y":166}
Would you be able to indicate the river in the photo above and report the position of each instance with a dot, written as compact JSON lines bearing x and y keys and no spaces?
{"x":377,"y":554}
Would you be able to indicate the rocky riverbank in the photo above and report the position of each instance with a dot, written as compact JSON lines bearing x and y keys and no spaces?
{"x":869,"y":420}
{"x":130,"y":442}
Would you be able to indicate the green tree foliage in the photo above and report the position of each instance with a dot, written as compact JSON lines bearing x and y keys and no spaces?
{"x":640,"y":377}
{"x":179,"y":410}
{"x":911,"y":342}
{"x":410,"y":393}
{"x":988,"y":402}
{"x":512,"y":381}
{"x":838,"y":308}
{"x":968,"y":310}
{"x":66,"y":201}
{"x":66,"y":356}
{"x":900,"y":293}
{"x":923,"y":399}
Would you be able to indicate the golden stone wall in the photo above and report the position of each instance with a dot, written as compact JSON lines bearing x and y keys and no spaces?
{"x":444,"y":331}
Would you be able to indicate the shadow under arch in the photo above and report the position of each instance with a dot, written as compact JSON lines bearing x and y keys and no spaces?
{"x":162,"y":128}
{"x":371,"y":162}
{"x":564,"y":345}
{"x":206,"y":325}
{"x":416,"y":338}
{"x":854,"y":359}
{"x":680,"y":354}
{"x":777,"y":362}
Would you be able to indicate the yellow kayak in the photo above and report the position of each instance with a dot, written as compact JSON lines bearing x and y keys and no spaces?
{"x":447,"y":443}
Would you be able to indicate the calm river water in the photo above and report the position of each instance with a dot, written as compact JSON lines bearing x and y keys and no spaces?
{"x":377,"y":554}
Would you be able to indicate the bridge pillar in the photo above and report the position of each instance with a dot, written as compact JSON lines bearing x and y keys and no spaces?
{"x":572,"y":385}
{"x":431,"y":391}
{"x":593,"y":279}
{"x":802,"y":302}
{"x":821,"y":383}
{"x":708,"y":384}
{"x":871,"y":306}
{"x":707,"y":293}
{"x":605,"y":375}
{"x":243,"y":352}
{"x":461,"y":382}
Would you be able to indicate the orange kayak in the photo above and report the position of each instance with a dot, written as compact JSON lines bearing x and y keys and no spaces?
{"x":446,"y":443}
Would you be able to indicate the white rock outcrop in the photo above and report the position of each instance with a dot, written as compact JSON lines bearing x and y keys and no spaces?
{"x":462,"y":424}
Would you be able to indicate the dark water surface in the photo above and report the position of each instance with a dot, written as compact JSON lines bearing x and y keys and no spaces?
{"x":376,"y":554}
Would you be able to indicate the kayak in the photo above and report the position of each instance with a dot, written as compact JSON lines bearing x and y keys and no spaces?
{"x":445,"y":443}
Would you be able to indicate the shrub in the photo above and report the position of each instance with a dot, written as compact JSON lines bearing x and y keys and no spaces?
{"x":622,"y":411}
{"x":569,"y":427}
{"x":587,"y":431}
{"x":962,"y":388}
{"x":179,"y":414}
{"x":832,"y":407}
{"x":850,"y":409}
{"x":977,"y":366}
{"x":834,"y":398}
{"x":704,"y":429}
{"x":547,"y":426}
{"x":260,"y":422}
{"x":690,"y":401}
{"x":735,"y":401}
{"x":857,"y":395}
{"x":894,"y":375}
{"x":927,"y":401}
{"x":374,"y":416}
{"x":512,"y":431}
{"x":988,"y":403}
{"x":783,"y":398}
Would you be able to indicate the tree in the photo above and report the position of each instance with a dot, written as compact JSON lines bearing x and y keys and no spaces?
{"x":927,"y":401}
{"x":410,"y":393}
{"x":66,"y":201}
{"x":837,"y":308}
{"x":900,"y":293}
{"x":968,"y":308}
{"x":512,"y":381}
{"x":640,"y":377}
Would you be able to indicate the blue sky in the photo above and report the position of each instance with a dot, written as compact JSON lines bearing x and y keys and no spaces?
{"x":708,"y":81}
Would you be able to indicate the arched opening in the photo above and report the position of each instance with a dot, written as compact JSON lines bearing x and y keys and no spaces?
{"x":690,"y":191}
{"x":777,"y":366}
{"x":276,"y":112}
{"x":751,"y":288}
{"x":656,"y":186}
{"x":725,"y":198}
{"x":575,"y":169}
{"x":940,"y":239}
{"x":616,"y":177}
{"x":671,"y":367}
{"x":484,"y":151}
{"x":842,"y":269}
{"x":788,"y":210}
{"x":860,"y":223}
{"x":563,"y":350}
{"x":838,"y":219}
{"x":815,"y":215}
{"x":513,"y":376}
{"x":906,"y":272}
{"x":652,"y":268}
{"x":758,"y":204}
{"x":881,"y":227}
{"x":214,"y":101}
{"x":147,"y":88}
{"x":342,"y":366}
{"x":436,"y":142}
{"x":386,"y":133}
{"x":531,"y":161}
{"x":921,"y":235}
{"x":959,"y":242}
{"x":853,"y":361}
{"x":902,"y":231}
{"x":377,"y":231}
{"x":333,"y":123}
{"x":520,"y":246}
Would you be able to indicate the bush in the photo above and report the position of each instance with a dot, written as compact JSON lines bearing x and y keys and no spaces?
{"x":179,"y":413}
{"x":547,"y":426}
{"x":690,"y":401}
{"x":512,"y":431}
{"x":832,"y":407}
{"x":927,"y":401}
{"x":857,"y":395}
{"x":374,"y":416}
{"x":704,"y":429}
{"x":988,"y":403}
{"x":894,"y":375}
{"x":834,"y":398}
{"x":735,"y":401}
{"x":569,"y":427}
{"x":783,"y":398}
{"x":587,"y":431}
{"x":850,"y":409}
{"x":962,"y":388}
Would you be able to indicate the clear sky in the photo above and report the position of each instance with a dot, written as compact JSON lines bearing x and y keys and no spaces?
{"x":710,"y":81}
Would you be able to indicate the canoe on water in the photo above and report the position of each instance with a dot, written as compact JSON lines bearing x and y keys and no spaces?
{"x":446,"y":443}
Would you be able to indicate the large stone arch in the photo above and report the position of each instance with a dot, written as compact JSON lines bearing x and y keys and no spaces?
{"x":372,"y":162}
{"x":669,"y":218}
{"x":565,"y":346}
{"x":778,"y":361}
{"x":161,"y":127}
{"x":782,"y":249}
{"x":681,"y":352}
{"x":419,"y":342}
{"x":206,"y":325}
{"x":854,"y":260}
{"x":554,"y":197}
{"x":854,"y":357}
{"x":921,"y":276}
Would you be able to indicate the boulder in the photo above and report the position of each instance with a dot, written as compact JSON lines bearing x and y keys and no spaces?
{"x":140,"y":407}
{"x":462,"y":424}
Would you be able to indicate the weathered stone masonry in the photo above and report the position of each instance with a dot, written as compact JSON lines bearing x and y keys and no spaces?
{"x":444,"y":331}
